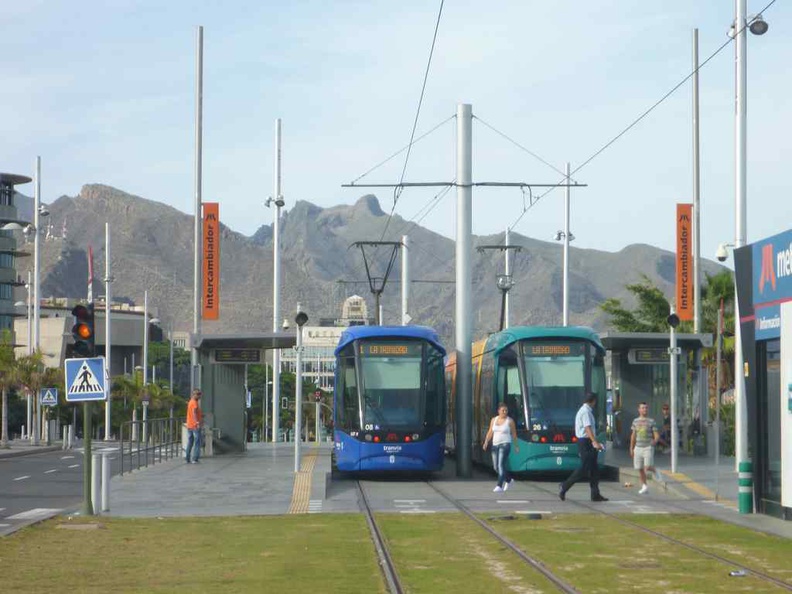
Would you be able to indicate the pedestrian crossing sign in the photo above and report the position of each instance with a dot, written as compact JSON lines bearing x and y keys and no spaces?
{"x":85,"y":379}
{"x":48,"y":397}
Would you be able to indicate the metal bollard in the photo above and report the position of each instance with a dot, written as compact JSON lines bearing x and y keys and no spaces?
{"x":745,"y":488}
{"x":96,"y":478}
{"x":105,"y":483}
{"x":65,"y":434}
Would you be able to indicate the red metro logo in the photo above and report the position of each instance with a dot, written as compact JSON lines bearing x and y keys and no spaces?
{"x":768,"y":270}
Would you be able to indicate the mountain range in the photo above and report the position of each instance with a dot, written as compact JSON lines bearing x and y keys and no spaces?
{"x":151,"y":249}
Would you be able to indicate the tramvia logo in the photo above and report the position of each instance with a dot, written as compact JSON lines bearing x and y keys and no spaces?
{"x":768,"y":274}
{"x":772,"y":269}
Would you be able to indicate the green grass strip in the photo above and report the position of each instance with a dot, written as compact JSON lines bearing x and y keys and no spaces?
{"x":449,"y":553}
{"x":598,"y":555}
{"x":327,"y":553}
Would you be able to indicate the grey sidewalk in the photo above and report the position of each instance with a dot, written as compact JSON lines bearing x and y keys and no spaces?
{"x":697,"y":477}
{"x":259,"y":481}
{"x":23,"y":447}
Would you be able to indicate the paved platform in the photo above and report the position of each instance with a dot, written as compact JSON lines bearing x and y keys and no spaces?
{"x":262,"y":481}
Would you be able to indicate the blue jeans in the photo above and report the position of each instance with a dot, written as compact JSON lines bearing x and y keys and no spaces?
{"x":193,"y":442}
{"x":500,"y":453}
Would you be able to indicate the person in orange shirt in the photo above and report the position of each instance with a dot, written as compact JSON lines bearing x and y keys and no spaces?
{"x":194,"y":426}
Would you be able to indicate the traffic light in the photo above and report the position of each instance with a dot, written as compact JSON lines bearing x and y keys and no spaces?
{"x":83,"y":330}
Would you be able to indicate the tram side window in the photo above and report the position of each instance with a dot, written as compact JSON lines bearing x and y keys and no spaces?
{"x":598,"y":386}
{"x":509,"y":387}
{"x":347,"y":407}
{"x":435,"y":390}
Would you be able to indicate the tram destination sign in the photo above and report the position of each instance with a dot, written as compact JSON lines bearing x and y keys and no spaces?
{"x":555,"y":349}
{"x":236,"y":356}
{"x":391,"y":349}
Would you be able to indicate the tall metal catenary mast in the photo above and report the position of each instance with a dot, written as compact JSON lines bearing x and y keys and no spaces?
{"x":405,"y":280}
{"x":194,"y":379}
{"x":276,"y":281}
{"x":464,"y":311}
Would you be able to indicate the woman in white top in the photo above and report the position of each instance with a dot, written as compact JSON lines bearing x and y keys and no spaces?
{"x":502,"y":432}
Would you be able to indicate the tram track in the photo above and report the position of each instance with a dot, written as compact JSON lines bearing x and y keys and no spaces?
{"x":534,"y":563}
{"x":387,"y":567}
{"x":596,"y":509}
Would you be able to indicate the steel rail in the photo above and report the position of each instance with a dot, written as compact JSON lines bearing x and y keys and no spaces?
{"x":780,"y":583}
{"x":536,"y":564}
{"x":386,"y":564}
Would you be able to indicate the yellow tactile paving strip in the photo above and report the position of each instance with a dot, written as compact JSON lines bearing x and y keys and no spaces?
{"x":697,"y":487}
{"x":301,"y":493}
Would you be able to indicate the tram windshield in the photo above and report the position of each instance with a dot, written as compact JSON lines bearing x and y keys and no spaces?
{"x":555,"y":374}
{"x":400,"y":386}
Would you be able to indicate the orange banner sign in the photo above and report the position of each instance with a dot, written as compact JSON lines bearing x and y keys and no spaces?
{"x":684,"y":261}
{"x":211,"y":261}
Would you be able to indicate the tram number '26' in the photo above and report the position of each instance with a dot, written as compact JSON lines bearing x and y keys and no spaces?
{"x":558,"y":460}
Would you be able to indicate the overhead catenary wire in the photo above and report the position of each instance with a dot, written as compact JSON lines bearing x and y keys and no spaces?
{"x":398,"y":190}
{"x":637,"y":120}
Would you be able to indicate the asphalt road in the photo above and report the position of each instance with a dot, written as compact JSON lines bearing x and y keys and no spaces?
{"x":43,"y":485}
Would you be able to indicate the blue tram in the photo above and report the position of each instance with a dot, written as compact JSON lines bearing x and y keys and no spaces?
{"x":389,"y":409}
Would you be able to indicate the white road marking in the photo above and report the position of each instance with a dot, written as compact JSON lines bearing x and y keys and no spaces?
{"x":513,"y":501}
{"x":22,"y":478}
{"x":4,"y":525}
{"x":74,"y":466}
{"x":314,"y":506}
{"x":34,"y":514}
{"x":522,"y":511}
{"x":67,"y":457}
{"x":410,"y":501}
{"x":416,"y":511}
{"x":50,"y":471}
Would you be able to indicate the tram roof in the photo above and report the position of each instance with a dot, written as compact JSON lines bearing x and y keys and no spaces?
{"x":506,"y":337}
{"x":421,"y":332}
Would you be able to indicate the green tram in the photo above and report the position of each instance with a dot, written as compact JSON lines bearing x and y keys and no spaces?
{"x":542,"y":374}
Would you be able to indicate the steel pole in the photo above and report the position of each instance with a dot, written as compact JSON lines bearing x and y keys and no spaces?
{"x":696,"y":192}
{"x":740,"y":210}
{"x":108,"y":301}
{"x":197,"y":206}
{"x":405,"y":279}
{"x":507,"y":271}
{"x":298,"y":402}
{"x":30,"y":350}
{"x":276,"y":281}
{"x":566,"y":249}
{"x":464,"y":315}
{"x":672,"y":382}
{"x":87,"y":508}
{"x":266,"y":403}
{"x":718,"y":352}
{"x":36,"y":293}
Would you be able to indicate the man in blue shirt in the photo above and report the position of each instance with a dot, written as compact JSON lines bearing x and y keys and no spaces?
{"x":588,"y":447}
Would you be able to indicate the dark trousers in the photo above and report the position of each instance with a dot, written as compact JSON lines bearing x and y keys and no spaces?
{"x":588,"y":467}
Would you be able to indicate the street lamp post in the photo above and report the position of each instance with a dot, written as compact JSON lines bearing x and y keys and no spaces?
{"x":740,"y":27}
{"x":566,"y":237}
{"x":301,"y":318}
{"x":673,"y":353}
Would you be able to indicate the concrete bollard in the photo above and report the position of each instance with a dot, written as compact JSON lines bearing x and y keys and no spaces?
{"x":65,"y":434}
{"x":745,"y":488}
{"x":96,"y":478}
{"x":105,"y":483}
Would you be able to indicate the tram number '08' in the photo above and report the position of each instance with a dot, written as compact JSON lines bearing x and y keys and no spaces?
{"x":369,"y":427}
{"x":558,"y":460}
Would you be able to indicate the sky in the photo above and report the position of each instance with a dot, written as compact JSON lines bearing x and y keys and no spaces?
{"x":104,"y":92}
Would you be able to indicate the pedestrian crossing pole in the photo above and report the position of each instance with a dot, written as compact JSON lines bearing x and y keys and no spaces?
{"x":87,"y":509}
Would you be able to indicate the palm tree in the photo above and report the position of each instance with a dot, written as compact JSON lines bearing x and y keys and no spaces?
{"x":30,"y":374}
{"x":7,"y":360}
